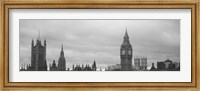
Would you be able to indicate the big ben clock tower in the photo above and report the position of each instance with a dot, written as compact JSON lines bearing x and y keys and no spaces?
{"x":126,"y":54}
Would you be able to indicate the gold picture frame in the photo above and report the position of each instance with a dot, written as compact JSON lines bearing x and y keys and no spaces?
{"x":99,"y":4}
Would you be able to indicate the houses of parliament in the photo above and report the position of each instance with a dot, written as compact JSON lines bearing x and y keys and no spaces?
{"x":38,"y":58}
{"x":39,"y":62}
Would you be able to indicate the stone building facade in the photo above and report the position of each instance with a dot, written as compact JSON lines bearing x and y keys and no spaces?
{"x":61,"y":61}
{"x":38,"y":56}
{"x":140,"y":63}
{"x":126,"y":54}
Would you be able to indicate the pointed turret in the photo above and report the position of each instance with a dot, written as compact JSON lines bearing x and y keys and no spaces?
{"x":38,"y":38}
{"x":32,"y":44}
{"x":126,"y":34}
{"x":45,"y":43}
{"x":94,"y":68}
{"x":61,"y":61}
{"x":126,"y":40}
{"x":62,"y":47}
{"x":62,"y":52}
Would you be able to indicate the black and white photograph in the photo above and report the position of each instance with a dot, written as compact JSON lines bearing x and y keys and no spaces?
{"x":99,"y":45}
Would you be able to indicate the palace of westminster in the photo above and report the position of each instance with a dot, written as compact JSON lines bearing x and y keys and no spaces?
{"x":38,"y":61}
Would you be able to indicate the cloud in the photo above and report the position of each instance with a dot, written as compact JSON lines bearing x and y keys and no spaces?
{"x":88,"y":40}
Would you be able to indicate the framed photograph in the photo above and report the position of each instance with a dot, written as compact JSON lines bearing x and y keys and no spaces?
{"x":100,"y":45}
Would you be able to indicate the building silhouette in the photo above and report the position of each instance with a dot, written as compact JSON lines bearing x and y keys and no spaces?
{"x":87,"y":67}
{"x":116,"y":67}
{"x":38,"y":56}
{"x":153,"y":67}
{"x":94,"y":67}
{"x":126,"y":54}
{"x":140,"y":63}
{"x":53,"y":66}
{"x":23,"y":68}
{"x":143,"y":64}
{"x":82,"y":68}
{"x":161,"y":65}
{"x":38,"y":60}
{"x":61,"y":61}
{"x":167,"y":65}
{"x":137,"y":63}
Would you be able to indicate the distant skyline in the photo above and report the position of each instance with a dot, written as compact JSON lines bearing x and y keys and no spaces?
{"x":87,"y":40}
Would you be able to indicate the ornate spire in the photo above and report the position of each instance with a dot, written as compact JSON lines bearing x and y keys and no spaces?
{"x":45,"y":42}
{"x":126,"y":42}
{"x":38,"y":39}
{"x":94,"y":63}
{"x":32,"y":42}
{"x":62,"y":52}
{"x":94,"y":67}
{"x":62,"y":47}
{"x":126,"y":38}
{"x":126,"y":34}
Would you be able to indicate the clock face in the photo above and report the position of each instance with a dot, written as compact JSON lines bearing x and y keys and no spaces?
{"x":129,"y":52}
{"x":123,"y":52}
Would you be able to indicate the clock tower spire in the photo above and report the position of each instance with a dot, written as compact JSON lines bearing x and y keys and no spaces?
{"x":126,"y":54}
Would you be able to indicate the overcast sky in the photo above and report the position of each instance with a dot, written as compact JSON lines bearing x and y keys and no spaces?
{"x":87,"y":40}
